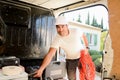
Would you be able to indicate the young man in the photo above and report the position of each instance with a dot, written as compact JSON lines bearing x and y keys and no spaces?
{"x":70,"y":41}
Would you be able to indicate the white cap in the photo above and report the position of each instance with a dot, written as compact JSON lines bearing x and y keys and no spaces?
{"x":61,"y":20}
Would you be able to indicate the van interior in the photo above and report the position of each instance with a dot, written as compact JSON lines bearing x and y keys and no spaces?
{"x":27,"y":30}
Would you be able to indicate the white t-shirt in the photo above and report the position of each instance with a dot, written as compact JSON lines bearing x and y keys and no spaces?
{"x":71,"y":44}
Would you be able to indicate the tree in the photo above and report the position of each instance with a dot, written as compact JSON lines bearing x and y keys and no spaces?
{"x":94,"y":22}
{"x":101,"y":23}
{"x":79,"y":18}
{"x":88,"y":19}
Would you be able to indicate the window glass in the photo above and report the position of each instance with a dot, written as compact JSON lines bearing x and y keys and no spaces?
{"x":95,"y":16}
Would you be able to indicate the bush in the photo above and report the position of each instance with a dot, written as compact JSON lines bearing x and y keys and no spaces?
{"x":93,"y":52}
{"x":96,"y":57}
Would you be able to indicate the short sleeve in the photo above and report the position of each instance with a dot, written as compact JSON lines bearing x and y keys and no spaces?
{"x":55,"y":43}
{"x":80,"y":32}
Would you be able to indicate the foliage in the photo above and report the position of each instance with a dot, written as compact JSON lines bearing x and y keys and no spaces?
{"x":96,"y":57}
{"x":103,"y":36}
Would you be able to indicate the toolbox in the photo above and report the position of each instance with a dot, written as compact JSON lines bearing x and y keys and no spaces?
{"x":55,"y":70}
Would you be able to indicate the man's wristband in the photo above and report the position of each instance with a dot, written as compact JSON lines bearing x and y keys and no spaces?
{"x":87,"y":47}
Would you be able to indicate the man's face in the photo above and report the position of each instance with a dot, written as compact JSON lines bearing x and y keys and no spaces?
{"x":62,"y":30}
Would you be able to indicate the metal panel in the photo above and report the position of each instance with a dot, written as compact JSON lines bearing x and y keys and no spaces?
{"x":21,"y":40}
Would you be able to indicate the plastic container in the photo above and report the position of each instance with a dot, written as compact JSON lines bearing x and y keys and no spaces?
{"x":22,"y":76}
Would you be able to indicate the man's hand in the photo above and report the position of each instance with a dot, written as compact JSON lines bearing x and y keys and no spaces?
{"x":85,"y":51}
{"x":38,"y":73}
{"x":46,"y":62}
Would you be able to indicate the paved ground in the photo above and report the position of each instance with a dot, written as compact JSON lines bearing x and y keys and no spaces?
{"x":98,"y":76}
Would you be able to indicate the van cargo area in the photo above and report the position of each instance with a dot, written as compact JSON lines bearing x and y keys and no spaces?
{"x":27,"y":31}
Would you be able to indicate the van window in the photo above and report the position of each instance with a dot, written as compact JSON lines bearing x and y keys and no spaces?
{"x":95,"y":16}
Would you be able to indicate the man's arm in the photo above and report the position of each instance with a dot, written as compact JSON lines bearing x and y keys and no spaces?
{"x":85,"y":40}
{"x":45,"y":62}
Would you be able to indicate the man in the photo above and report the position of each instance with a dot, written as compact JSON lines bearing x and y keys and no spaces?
{"x":70,"y":41}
